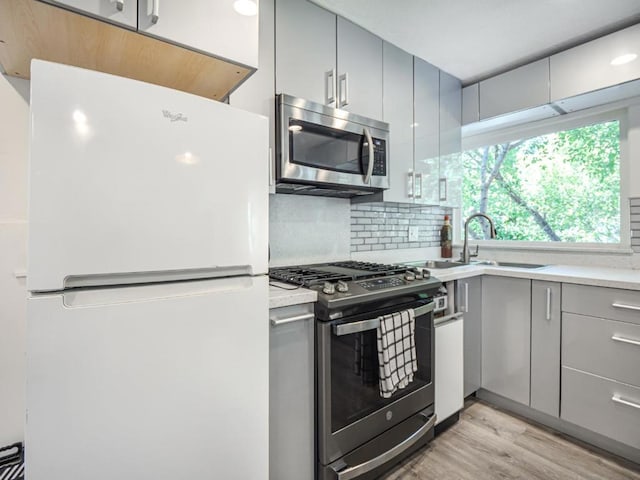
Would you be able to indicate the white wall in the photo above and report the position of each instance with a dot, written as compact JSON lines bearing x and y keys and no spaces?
{"x":305,"y":229}
{"x":14,"y":110}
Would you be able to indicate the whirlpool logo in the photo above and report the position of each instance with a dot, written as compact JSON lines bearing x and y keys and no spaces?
{"x":174,"y":117}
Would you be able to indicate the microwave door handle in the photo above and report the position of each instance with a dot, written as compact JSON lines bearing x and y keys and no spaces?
{"x":367,"y":177}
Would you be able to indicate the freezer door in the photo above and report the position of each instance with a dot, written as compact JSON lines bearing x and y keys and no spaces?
{"x":128,"y":179}
{"x":153,"y":382}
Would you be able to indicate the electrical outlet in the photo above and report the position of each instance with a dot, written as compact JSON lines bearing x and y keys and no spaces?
{"x":414,"y":233}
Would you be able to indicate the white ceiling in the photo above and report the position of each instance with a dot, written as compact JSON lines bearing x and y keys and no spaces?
{"x":475,"y":39}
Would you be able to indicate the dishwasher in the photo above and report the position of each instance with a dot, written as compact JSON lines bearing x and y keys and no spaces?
{"x":449,"y":358}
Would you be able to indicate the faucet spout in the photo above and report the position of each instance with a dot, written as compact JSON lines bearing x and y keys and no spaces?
{"x":465,"y":255}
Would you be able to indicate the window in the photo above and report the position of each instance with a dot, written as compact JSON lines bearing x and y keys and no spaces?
{"x":562,"y":186}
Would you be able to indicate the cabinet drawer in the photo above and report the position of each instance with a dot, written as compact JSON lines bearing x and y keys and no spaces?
{"x":601,"y":405}
{"x":603,"y":347}
{"x":612,"y":303}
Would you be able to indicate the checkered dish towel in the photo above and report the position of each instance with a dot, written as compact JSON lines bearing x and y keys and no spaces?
{"x":396,"y":351}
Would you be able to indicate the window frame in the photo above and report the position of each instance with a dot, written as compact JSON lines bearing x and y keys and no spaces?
{"x":541,"y":127}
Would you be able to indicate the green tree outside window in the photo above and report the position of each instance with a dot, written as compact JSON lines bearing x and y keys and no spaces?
{"x":559,"y":187}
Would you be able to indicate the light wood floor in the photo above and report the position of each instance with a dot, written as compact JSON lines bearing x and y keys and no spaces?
{"x":487,"y":443}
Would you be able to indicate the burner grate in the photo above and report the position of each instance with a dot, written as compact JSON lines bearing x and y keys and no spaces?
{"x":305,"y":276}
{"x":370,"y":267}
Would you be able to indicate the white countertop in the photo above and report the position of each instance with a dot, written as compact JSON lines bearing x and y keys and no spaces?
{"x":596,"y":276}
{"x":289,"y":295}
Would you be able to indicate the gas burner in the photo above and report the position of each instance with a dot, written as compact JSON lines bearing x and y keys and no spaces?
{"x":370,"y":267}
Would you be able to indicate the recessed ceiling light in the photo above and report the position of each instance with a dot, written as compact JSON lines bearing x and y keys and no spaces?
{"x":295,"y":128}
{"x":248,"y":8}
{"x":622,"y":59}
{"x":79,"y":117}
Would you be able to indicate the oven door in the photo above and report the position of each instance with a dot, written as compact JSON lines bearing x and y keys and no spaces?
{"x":351,"y":411}
{"x":318,"y":145}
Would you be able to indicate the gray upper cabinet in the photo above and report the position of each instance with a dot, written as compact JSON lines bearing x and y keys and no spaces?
{"x":426,"y":91}
{"x":450,"y":162}
{"x":210,"y":27}
{"x":545,"y":347}
{"x":359,"y":75}
{"x":506,"y":337}
{"x":469,"y":301}
{"x":470,"y":104}
{"x":587,"y":67}
{"x":123,"y":12}
{"x":397,"y":79}
{"x":519,"y":89}
{"x":327,"y":59}
{"x":306,"y":51}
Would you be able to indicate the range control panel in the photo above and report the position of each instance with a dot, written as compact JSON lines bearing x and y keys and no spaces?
{"x":381,"y":283}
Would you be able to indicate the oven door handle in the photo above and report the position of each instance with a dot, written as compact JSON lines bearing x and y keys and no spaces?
{"x":373,"y":323}
{"x":355,"y":471}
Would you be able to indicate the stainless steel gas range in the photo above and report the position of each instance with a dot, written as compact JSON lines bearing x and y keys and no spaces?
{"x":360,"y":434}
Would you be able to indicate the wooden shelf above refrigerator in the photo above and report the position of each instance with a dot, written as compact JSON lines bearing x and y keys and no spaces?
{"x":32,"y":29}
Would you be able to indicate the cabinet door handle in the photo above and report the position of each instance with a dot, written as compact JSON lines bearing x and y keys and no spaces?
{"x":330,"y":87}
{"x":271,"y":167}
{"x":343,"y":90}
{"x":443,"y":188}
{"x":465,"y":308}
{"x":298,"y":318}
{"x":155,"y":11}
{"x":418,"y":185}
{"x":410,"y":183}
{"x":119,"y":4}
{"x":630,"y":341}
{"x":626,"y":307}
{"x":548,"y":304}
{"x":618,"y":399}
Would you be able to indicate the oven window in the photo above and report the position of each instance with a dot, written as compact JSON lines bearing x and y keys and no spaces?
{"x":354,"y":373}
{"x":325,"y":148}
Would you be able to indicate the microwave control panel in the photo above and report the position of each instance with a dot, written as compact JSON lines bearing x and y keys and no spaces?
{"x":379,"y":157}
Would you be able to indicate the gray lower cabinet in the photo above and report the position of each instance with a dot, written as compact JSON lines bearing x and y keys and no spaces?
{"x":291,"y":393}
{"x":545,"y":347}
{"x":601,"y":405}
{"x":600,"y":359}
{"x":506,"y":337}
{"x":469,"y":301}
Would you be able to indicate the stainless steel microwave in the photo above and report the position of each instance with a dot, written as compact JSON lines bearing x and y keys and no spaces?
{"x":329,"y":152}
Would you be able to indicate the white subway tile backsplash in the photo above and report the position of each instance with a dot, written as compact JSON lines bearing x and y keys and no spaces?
{"x":385,"y":226}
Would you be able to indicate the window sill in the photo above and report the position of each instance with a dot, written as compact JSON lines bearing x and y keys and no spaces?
{"x":556,"y":248}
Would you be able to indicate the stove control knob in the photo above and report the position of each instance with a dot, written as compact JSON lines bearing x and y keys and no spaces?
{"x":328,"y":288}
{"x":409,"y":276}
{"x":342,"y":286}
{"x":419,"y":275}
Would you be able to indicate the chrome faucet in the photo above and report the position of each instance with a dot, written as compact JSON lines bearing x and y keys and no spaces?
{"x":465,"y":255}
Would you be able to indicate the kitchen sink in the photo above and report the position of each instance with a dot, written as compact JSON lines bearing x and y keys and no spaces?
{"x":442,"y":264}
{"x":510,"y":264}
{"x":492,"y":263}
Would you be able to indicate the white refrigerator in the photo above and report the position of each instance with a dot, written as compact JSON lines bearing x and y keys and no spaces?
{"x":147,"y":331}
